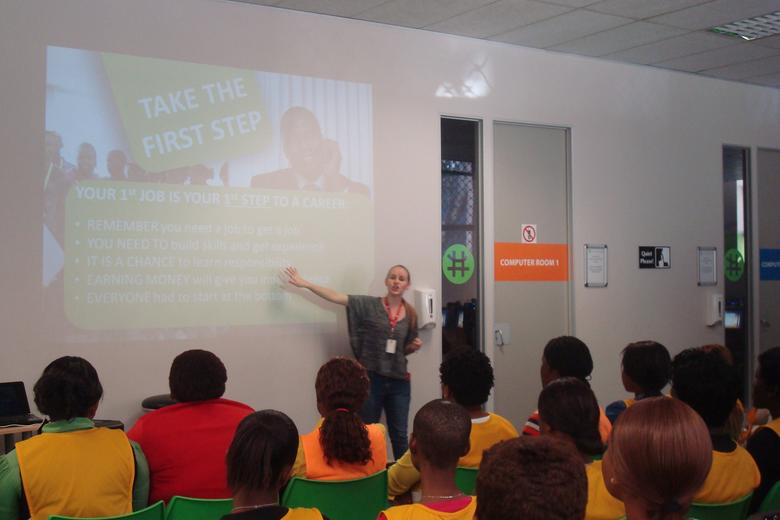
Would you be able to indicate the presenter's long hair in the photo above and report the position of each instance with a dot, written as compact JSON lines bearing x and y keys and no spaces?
{"x":408,"y":308}
{"x":342,"y":388}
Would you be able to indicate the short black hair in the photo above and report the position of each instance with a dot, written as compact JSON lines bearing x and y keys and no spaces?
{"x":707,"y":383}
{"x":264,"y":446}
{"x":569,"y":356}
{"x":531,"y":478}
{"x":441,"y":430}
{"x":648,"y":364}
{"x":569,"y":406}
{"x":68,"y":387}
{"x":197,"y":375}
{"x":468,"y":374}
{"x":769,"y":368}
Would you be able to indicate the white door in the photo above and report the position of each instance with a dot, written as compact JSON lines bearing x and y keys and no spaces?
{"x":531,"y":219}
{"x":768,"y":162}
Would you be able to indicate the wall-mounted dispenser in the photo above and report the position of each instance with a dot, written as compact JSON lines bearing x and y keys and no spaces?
{"x":713,"y":314}
{"x":426,"y":307}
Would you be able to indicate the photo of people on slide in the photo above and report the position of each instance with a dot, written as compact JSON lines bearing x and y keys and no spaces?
{"x":174,"y":193}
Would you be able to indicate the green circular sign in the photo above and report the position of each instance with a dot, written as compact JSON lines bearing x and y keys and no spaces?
{"x":457,"y":264}
{"x":734,"y":264}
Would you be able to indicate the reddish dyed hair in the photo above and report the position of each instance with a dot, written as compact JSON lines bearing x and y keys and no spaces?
{"x":659,"y":454}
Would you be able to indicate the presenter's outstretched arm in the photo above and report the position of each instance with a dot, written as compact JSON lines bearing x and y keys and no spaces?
{"x":325,"y":293}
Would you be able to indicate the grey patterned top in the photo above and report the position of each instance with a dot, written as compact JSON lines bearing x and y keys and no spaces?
{"x":369,"y":330}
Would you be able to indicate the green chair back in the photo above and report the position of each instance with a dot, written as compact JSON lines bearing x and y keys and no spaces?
{"x":153,"y":512}
{"x":185,"y":508}
{"x":736,"y":510}
{"x":771,"y":501}
{"x":357,"y":499}
{"x":466,"y":479}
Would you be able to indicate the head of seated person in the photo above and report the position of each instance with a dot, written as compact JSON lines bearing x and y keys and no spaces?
{"x":197,"y":375}
{"x":646,"y":368}
{"x":440,"y":436}
{"x":707,"y":383}
{"x":342,"y":388}
{"x":568,"y":410}
{"x":655,"y":487}
{"x":566,"y":356}
{"x":531,"y":478}
{"x":766,"y":386}
{"x":68,"y":388}
{"x":260,"y":458}
{"x":466,"y":377}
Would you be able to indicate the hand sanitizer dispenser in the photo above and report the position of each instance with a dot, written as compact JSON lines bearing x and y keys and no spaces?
{"x":714,"y":310}
{"x":426,"y":307}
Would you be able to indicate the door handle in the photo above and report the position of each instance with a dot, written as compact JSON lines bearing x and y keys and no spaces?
{"x":765,"y":324}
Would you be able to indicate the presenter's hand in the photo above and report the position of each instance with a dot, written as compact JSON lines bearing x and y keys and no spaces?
{"x":414,"y":346}
{"x":294,"y":278}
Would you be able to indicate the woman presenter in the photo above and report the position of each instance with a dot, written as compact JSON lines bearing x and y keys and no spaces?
{"x":382,"y":332}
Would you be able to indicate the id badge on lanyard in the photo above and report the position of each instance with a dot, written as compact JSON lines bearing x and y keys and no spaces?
{"x":392,"y":343}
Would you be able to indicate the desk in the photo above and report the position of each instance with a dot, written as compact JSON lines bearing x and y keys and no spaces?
{"x":8,"y":433}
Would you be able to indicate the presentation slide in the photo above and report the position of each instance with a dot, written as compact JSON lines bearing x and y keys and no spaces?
{"x":175,"y":192}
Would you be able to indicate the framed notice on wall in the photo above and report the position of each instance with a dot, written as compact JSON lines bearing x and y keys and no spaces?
{"x":708,"y":260}
{"x":595,"y":265}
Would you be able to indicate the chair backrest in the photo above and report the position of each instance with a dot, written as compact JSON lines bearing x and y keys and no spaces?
{"x":185,"y":508}
{"x":153,"y":512}
{"x":736,"y":510}
{"x":771,"y":501}
{"x":466,"y":479}
{"x":356,"y":499}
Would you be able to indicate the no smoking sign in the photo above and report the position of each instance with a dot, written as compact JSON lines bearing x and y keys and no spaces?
{"x":529,"y":233}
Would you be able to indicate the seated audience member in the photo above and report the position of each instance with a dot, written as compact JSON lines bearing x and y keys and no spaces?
{"x":646,"y":369}
{"x":659,"y":455}
{"x":342,"y":446}
{"x":566,"y":356}
{"x":185,"y":443}
{"x":704,"y":381}
{"x":531,"y":479}
{"x":764,"y":445}
{"x":737,"y":416}
{"x":259,"y":462}
{"x":72,"y":468}
{"x":466,"y":378}
{"x":568,"y":411}
{"x":440,"y":436}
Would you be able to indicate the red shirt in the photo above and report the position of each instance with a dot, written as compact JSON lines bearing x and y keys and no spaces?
{"x":185,"y":445}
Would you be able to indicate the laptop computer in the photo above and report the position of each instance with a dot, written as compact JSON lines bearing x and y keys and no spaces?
{"x":14,"y":407}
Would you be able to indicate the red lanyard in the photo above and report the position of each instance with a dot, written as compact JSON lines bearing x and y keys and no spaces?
{"x":393,"y":319}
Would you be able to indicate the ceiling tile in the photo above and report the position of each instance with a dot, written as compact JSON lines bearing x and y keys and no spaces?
{"x":419,"y":13}
{"x":747,"y":69}
{"x":771,"y":80}
{"x":770,"y":41}
{"x":691,"y":43}
{"x":718,"y":57}
{"x":498,"y":18}
{"x":619,"y":38}
{"x":639,"y":9}
{"x":716,"y":13}
{"x":560,"y":29}
{"x":348,"y":8}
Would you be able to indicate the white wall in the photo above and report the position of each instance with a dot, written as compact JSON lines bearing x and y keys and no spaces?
{"x":646,"y":169}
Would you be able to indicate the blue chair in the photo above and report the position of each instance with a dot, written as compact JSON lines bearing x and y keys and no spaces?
{"x":356,"y":499}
